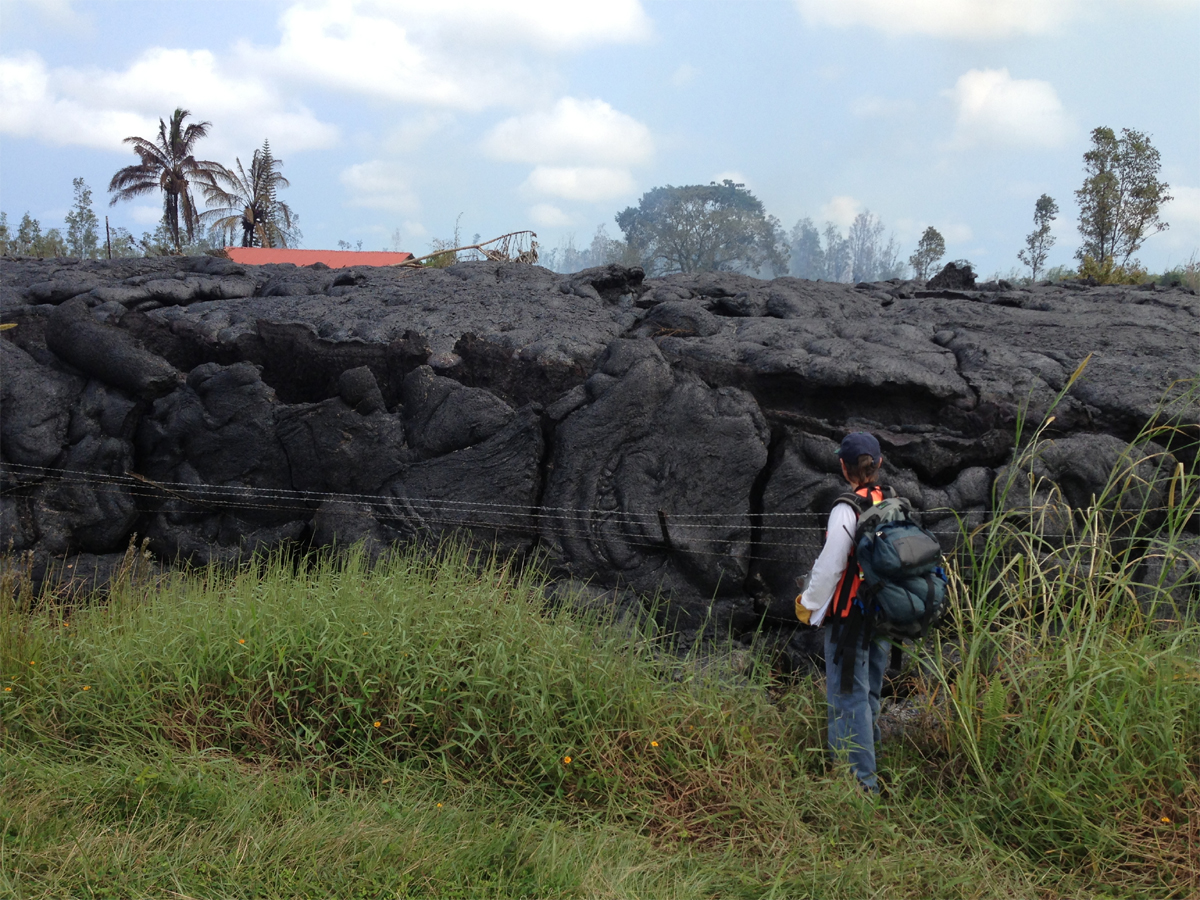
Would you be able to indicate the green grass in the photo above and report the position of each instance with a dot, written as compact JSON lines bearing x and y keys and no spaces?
{"x":431,"y":727}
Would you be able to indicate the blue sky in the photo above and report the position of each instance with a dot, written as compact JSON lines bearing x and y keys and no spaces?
{"x":393,"y":118}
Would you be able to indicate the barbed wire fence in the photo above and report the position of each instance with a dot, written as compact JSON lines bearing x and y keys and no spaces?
{"x":673,"y":531}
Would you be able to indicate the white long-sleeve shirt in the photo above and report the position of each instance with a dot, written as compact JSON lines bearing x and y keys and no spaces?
{"x":827,"y":570}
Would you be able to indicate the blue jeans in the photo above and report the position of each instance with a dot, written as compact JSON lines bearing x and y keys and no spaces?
{"x":854,"y":717}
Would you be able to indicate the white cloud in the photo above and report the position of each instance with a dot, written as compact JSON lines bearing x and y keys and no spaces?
{"x":684,"y":75}
{"x":337,"y":46}
{"x":449,"y":54}
{"x":456,"y":54}
{"x":548,"y":215}
{"x":583,"y":149}
{"x":978,"y":19}
{"x":380,"y":184}
{"x":841,"y":211}
{"x":548,"y":24}
{"x":98,"y":108}
{"x":32,"y":108}
{"x":994,"y":107}
{"x":574,"y":131}
{"x":588,"y":183}
{"x":408,"y":52}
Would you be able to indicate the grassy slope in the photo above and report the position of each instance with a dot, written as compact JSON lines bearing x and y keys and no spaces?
{"x":196,"y":763}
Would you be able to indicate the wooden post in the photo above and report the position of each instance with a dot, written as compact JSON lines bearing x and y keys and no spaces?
{"x":107,"y":237}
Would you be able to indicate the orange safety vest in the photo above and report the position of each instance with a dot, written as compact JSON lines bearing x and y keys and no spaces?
{"x":847,"y":589}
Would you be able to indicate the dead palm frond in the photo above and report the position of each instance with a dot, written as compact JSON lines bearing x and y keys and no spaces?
{"x":247,"y":199}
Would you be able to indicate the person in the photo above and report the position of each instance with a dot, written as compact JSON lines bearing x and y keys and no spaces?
{"x":853,"y":672}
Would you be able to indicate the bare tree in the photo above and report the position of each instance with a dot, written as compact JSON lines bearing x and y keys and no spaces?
{"x":890,"y":263}
{"x":866,"y":233}
{"x":861,"y":255}
{"x":839,"y":265}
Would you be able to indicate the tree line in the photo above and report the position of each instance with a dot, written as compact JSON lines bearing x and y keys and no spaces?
{"x":724,"y":227}
{"x":241,"y":204}
{"x":689,"y":228}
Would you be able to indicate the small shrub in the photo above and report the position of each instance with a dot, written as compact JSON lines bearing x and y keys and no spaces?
{"x":1107,"y":272}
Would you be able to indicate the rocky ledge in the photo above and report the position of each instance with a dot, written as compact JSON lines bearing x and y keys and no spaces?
{"x":670,"y":436}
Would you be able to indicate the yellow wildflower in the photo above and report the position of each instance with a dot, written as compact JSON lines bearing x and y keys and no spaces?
{"x":566,"y":760}
{"x":654,"y":743}
{"x":377,"y":724}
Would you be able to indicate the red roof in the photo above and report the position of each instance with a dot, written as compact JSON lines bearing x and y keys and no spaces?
{"x":335,"y":259}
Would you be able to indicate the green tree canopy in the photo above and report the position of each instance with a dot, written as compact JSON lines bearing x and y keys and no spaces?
{"x":1121,"y":196}
{"x":247,"y":200}
{"x":704,"y":228}
{"x":930,"y":248}
{"x":29,"y":239}
{"x":168,"y":165}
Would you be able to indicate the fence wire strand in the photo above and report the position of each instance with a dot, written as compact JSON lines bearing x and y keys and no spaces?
{"x":679,"y":532}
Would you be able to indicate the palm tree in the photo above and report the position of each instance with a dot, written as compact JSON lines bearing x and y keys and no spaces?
{"x":247,"y":199}
{"x":168,"y":165}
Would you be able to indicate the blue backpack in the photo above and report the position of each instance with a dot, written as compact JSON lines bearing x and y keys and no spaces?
{"x":903,"y":585}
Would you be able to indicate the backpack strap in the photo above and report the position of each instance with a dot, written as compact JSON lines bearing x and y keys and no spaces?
{"x":860,"y":501}
{"x":841,"y":601}
{"x":865,"y":497}
{"x":854,"y":500}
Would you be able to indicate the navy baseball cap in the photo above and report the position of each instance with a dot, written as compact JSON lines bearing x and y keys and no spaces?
{"x":859,"y":444}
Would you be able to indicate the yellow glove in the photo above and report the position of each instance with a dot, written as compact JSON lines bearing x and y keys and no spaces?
{"x":803,"y":613}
